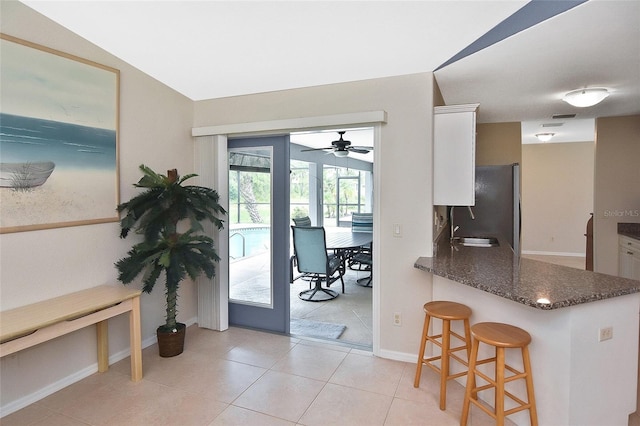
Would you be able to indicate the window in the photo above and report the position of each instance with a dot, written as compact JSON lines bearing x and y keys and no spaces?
{"x":299,"y":197}
{"x":345,"y":192}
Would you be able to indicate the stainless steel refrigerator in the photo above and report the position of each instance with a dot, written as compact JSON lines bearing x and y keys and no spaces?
{"x":497,"y":208}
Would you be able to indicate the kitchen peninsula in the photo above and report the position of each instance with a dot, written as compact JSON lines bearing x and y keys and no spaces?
{"x":579,"y":378}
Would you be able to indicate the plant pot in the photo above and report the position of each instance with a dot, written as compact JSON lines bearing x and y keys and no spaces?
{"x":171,"y":342}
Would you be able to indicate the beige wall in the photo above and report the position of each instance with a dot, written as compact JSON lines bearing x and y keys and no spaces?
{"x":402,"y":171}
{"x":617,"y":185}
{"x":498,"y":143}
{"x":557,"y":196}
{"x":155,"y":128}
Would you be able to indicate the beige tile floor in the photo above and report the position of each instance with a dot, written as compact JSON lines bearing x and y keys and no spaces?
{"x":246,"y":377}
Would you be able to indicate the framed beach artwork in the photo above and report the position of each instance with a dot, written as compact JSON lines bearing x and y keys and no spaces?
{"x":58,"y":139}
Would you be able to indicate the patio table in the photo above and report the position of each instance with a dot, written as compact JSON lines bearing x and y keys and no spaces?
{"x":343,"y":239}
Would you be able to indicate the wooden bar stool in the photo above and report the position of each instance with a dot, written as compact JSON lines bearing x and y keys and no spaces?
{"x":447,"y":312}
{"x":500,"y":336}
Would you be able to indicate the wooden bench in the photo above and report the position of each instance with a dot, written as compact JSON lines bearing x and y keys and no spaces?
{"x":27,"y":326}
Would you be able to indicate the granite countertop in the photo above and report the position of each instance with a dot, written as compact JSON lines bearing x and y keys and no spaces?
{"x":631,"y":230}
{"x":497,"y":270}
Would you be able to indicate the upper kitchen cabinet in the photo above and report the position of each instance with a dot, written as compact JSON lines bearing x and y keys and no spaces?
{"x":454,"y":155}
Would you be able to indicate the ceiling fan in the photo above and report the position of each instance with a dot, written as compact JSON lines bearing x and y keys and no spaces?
{"x":341,"y":147}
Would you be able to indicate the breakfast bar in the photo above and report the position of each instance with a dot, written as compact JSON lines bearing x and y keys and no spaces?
{"x":583,"y":375}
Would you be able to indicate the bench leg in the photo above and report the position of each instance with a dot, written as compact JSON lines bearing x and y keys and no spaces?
{"x":135,"y":336}
{"x":102,"y":330}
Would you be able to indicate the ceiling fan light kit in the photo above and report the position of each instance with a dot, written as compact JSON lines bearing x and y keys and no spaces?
{"x":340,"y":153}
{"x":586,"y":97}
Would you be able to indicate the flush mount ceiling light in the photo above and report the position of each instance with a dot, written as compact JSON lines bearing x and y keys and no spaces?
{"x":586,"y":97}
{"x":544,"y":137}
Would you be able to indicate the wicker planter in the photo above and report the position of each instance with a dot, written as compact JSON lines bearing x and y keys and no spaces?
{"x":171,"y":343}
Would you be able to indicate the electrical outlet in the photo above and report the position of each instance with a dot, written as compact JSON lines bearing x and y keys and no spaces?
{"x":605,"y":333}
{"x":397,"y":318}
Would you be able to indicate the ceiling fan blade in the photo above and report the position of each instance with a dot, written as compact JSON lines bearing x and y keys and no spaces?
{"x":368,"y":148}
{"x":358,"y":150}
{"x":316,"y":149}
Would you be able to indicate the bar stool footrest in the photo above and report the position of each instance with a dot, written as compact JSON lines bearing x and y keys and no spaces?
{"x":460,"y":360}
{"x":481,"y":406}
{"x":522,"y":404}
{"x":517,"y":409}
{"x":428,"y":363}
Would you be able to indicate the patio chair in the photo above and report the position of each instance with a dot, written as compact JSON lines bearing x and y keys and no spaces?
{"x":361,"y":222}
{"x":366,"y":260}
{"x":302,"y":221}
{"x":310,"y":250}
{"x":298,"y":221}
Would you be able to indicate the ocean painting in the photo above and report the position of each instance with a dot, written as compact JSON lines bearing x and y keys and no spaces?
{"x":58,"y":139}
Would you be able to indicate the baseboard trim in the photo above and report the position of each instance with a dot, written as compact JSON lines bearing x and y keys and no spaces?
{"x":553,"y":253}
{"x":54,"y":387}
{"x":398,"y":356}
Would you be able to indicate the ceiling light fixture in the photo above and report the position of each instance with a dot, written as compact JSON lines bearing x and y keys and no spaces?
{"x":544,"y":137}
{"x":587,"y":97}
{"x":340,"y":153}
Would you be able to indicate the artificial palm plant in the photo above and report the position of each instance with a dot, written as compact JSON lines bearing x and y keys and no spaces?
{"x":157,"y":214}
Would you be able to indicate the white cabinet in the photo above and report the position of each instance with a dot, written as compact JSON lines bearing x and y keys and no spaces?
{"x":454,"y":155}
{"x":629,"y":257}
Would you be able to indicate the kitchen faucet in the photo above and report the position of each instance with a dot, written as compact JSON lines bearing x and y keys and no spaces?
{"x":473,"y":217}
{"x":453,"y":227}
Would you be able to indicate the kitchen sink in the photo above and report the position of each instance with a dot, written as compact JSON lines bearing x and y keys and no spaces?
{"x":477,"y":241}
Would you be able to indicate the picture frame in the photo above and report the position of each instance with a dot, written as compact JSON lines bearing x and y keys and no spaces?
{"x":59,"y":137}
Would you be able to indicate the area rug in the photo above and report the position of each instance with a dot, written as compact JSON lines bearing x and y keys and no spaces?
{"x":309,"y":328}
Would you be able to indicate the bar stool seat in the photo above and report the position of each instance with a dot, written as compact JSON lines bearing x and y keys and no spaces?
{"x":501,"y":337}
{"x":447,"y":312}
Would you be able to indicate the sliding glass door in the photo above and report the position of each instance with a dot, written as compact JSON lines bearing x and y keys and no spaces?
{"x":259,"y":233}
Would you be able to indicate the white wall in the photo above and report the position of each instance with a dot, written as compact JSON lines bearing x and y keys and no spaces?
{"x":557,"y":197}
{"x":155,"y":128}
{"x":404,"y":174}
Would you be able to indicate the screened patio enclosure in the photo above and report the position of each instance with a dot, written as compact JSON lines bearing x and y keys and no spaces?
{"x":326,"y":188}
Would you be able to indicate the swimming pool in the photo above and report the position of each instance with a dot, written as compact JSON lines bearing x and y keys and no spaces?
{"x":248,"y":241}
